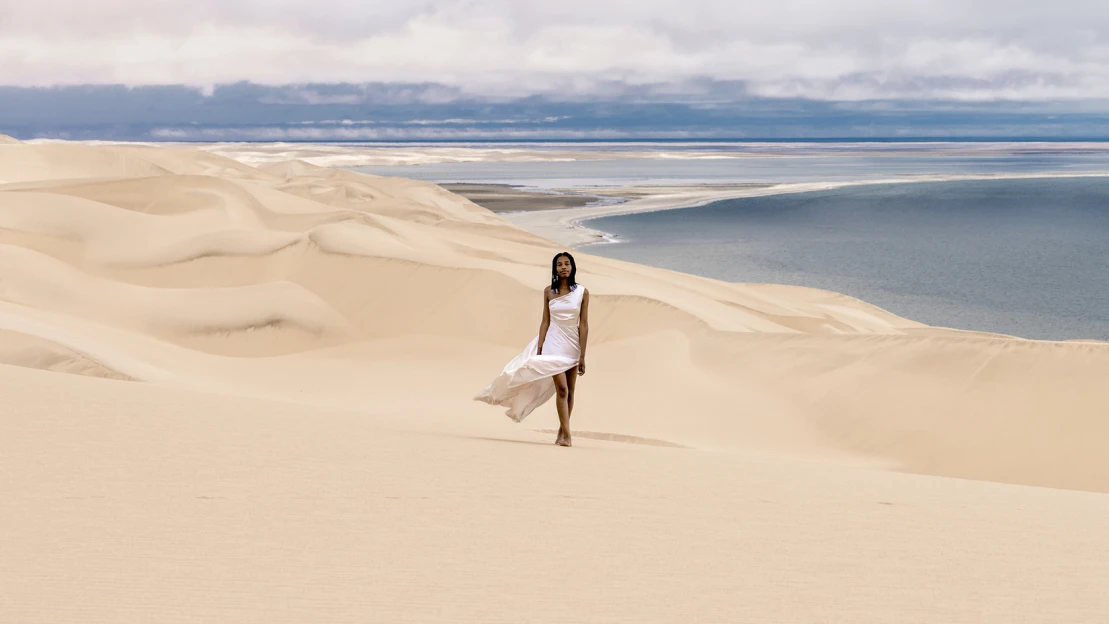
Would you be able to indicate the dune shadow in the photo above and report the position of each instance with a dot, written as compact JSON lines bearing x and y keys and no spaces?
{"x":589,"y":435}
{"x":619,"y":437}
{"x":512,"y":440}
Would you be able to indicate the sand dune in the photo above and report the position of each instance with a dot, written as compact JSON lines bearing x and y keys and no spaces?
{"x":18,"y":349}
{"x":247,"y":377}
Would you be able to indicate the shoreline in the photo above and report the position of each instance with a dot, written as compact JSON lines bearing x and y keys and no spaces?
{"x":566,"y":225}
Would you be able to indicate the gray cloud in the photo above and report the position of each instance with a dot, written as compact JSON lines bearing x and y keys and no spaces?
{"x":700,"y":108}
{"x":848,"y":50}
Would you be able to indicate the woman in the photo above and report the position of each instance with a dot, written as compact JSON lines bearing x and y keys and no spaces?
{"x":552,"y":362}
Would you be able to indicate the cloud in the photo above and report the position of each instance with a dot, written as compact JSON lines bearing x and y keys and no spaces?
{"x":388,"y":111}
{"x":847,"y":50}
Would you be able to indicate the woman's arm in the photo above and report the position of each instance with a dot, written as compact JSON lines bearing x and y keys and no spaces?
{"x":546,"y":323}
{"x":583,"y":330}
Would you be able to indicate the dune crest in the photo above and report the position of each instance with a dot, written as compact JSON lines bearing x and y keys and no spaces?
{"x":186,"y":268}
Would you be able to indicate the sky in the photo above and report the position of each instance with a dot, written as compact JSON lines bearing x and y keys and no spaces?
{"x":372,"y":69}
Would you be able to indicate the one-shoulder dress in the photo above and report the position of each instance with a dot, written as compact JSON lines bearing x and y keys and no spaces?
{"x":525,"y":383}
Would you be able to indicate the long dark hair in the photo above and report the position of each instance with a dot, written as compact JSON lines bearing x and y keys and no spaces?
{"x":554,"y":272}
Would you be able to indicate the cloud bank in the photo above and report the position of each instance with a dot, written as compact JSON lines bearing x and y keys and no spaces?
{"x":844,"y":50}
{"x":429,"y":111}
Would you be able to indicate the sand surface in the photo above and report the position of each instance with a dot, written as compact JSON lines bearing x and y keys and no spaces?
{"x":502,"y":198}
{"x":239,"y":394}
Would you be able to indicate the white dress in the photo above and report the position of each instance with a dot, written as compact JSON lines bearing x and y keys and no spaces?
{"x":525,"y":383}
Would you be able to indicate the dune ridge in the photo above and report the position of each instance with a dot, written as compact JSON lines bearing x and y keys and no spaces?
{"x":199,"y":345}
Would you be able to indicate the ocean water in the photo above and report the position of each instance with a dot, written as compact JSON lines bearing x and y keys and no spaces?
{"x":699,"y":163}
{"x":1026,"y":257}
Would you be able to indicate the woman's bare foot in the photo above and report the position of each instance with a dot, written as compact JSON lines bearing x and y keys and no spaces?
{"x":563,"y":438}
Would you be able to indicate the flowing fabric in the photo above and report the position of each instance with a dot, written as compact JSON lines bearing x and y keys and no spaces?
{"x":525,"y":383}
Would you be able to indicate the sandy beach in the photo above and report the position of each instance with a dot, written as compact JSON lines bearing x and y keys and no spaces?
{"x":240,"y":391}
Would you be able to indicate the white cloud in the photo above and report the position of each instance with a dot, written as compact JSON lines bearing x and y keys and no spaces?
{"x":969,"y":50}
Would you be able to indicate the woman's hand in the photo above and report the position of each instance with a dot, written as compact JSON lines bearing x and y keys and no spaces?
{"x":581,"y":368}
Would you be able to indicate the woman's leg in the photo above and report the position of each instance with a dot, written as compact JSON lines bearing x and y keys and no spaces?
{"x":562,"y":393}
{"x":571,"y":383}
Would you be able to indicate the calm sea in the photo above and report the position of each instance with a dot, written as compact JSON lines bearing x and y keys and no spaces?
{"x":1025,"y":257}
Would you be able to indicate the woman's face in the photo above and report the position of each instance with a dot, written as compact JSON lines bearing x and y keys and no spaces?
{"x":563,"y":267}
